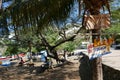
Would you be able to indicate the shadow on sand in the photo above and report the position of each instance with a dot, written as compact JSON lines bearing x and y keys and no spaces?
{"x":61,"y":72}
{"x":84,"y":68}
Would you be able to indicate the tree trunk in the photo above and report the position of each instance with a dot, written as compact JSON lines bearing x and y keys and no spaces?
{"x":30,"y":49}
{"x":96,"y":63}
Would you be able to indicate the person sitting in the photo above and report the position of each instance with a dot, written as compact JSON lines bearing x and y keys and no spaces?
{"x":21,"y":62}
{"x":50,"y":62}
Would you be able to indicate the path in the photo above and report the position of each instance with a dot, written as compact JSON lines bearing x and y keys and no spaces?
{"x":113,"y":59}
{"x":68,"y":71}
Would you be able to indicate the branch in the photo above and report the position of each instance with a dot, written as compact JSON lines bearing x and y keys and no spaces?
{"x":44,"y":41}
{"x":67,"y":39}
{"x":62,"y":34}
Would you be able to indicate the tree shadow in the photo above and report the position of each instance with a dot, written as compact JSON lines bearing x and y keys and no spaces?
{"x":84,"y":68}
{"x":65,"y":71}
{"x":61,"y":72}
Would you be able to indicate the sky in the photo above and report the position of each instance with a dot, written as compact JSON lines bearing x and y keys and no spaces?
{"x":6,"y":4}
{"x":115,"y":4}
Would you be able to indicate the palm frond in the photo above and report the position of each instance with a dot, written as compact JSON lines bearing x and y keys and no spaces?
{"x":94,"y":6}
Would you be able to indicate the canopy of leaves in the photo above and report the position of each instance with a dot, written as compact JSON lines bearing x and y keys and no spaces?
{"x":39,"y":12}
{"x":3,"y":24}
{"x":114,"y":29}
{"x":11,"y":50}
{"x":115,"y":19}
{"x":116,"y":15}
{"x":27,"y":13}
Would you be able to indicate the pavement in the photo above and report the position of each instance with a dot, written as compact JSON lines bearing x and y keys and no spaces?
{"x":112,"y":59}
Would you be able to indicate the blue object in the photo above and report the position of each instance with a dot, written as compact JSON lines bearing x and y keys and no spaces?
{"x":43,"y":58}
{"x":5,"y":63}
{"x":43,"y":55}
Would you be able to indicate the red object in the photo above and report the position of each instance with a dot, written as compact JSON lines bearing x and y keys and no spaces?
{"x":3,"y":58}
{"x":21,"y":55}
{"x":90,"y":47}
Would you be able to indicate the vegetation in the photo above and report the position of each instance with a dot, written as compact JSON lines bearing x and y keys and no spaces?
{"x":30,"y":20}
{"x":40,"y":24}
{"x":115,"y":26}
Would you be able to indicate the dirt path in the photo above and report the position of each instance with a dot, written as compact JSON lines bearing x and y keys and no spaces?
{"x":67,"y":71}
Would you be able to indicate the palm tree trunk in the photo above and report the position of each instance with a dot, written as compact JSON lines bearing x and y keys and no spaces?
{"x":96,"y":63}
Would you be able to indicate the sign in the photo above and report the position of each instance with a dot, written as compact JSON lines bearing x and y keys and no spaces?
{"x":95,"y":52}
{"x":101,"y":21}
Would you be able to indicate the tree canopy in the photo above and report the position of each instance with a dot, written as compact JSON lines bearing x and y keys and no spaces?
{"x":27,"y":13}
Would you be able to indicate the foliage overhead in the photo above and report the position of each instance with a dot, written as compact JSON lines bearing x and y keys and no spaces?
{"x":116,"y":15}
{"x":27,"y":13}
{"x":39,"y":12}
{"x":115,"y":27}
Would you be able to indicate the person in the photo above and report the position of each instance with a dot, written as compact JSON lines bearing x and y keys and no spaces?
{"x":65,"y":55}
{"x":50,"y":62}
{"x":21,"y":62}
{"x":28,"y":56}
